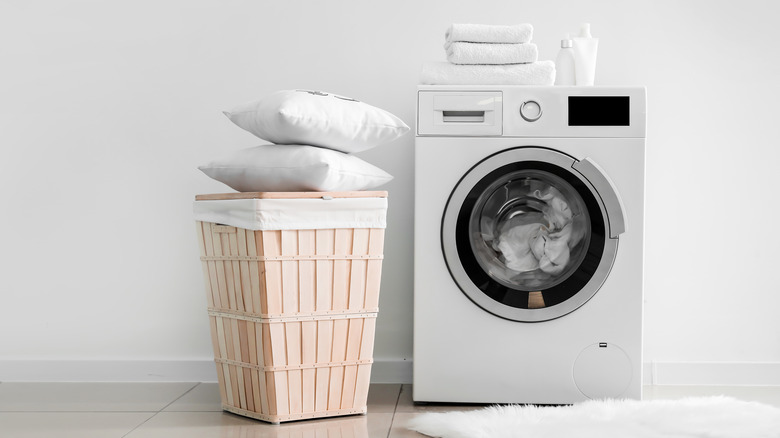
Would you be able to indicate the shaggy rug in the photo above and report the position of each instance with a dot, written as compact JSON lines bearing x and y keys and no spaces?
{"x":710,"y":417}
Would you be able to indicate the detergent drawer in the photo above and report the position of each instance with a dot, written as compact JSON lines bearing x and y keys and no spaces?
{"x":461,"y":113}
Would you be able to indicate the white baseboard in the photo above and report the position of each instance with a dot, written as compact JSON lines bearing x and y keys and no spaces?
{"x":391,"y":371}
{"x":383,"y":371}
{"x":196,"y":370}
{"x":108,"y":371}
{"x":712,"y":373}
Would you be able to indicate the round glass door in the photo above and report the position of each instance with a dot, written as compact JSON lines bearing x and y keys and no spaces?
{"x":524,"y":235}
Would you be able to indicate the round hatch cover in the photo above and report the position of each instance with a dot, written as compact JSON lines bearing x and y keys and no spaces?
{"x":602,"y":370}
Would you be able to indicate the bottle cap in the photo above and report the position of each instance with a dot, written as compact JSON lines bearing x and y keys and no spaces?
{"x":566,"y":42}
{"x":585,"y":31}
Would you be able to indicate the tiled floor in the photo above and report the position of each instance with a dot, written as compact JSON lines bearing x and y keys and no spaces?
{"x":192,"y":410}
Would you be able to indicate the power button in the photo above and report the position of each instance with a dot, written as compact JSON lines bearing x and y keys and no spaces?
{"x":530,"y":110}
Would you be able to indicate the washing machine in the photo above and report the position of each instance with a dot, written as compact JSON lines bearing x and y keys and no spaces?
{"x":528,"y":256}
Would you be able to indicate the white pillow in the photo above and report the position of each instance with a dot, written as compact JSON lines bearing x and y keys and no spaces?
{"x":319,"y":119}
{"x":290,"y":168}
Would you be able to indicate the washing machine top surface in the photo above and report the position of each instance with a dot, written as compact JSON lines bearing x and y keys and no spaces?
{"x":525,"y":111}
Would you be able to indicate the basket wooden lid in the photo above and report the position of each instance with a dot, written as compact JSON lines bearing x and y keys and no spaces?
{"x":291,"y":195}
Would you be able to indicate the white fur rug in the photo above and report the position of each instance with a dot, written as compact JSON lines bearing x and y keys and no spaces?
{"x":710,"y":417}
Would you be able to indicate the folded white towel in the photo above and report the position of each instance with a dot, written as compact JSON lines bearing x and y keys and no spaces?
{"x":482,"y":53}
{"x":486,"y":33}
{"x":445,"y":73}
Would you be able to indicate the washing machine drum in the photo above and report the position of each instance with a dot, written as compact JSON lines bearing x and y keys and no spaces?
{"x":530,"y":234}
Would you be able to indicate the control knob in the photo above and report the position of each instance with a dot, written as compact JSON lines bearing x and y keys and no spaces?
{"x":530,"y":111}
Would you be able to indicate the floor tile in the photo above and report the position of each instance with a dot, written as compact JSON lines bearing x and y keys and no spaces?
{"x":764,"y":394}
{"x":407,"y":405}
{"x":194,"y":411}
{"x":87,"y":397}
{"x":202,"y":398}
{"x":70,"y":424}
{"x":225,"y":425}
{"x":382,"y":397}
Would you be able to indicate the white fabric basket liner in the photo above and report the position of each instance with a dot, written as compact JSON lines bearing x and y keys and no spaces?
{"x":294,"y":214}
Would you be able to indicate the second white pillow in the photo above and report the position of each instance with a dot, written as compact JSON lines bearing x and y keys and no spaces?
{"x":290,"y":168}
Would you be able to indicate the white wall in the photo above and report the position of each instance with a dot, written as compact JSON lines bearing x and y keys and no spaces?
{"x":106,"y":109}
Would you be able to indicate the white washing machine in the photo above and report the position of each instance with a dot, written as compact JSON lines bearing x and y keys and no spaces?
{"x":529,"y":208}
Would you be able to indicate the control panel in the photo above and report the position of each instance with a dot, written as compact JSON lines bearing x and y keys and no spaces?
{"x":530,"y":111}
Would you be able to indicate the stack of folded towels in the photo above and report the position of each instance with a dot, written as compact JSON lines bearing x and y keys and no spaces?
{"x":489,"y":55}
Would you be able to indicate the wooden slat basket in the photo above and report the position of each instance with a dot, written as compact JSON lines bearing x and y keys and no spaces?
{"x":292,"y":316}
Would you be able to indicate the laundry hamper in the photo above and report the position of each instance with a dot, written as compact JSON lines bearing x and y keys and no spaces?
{"x":292,"y":281}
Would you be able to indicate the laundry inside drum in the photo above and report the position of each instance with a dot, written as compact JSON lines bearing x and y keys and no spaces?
{"x":530,"y":230}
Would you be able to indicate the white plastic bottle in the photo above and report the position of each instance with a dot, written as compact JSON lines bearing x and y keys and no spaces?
{"x":585,"y":50}
{"x":564,"y":63}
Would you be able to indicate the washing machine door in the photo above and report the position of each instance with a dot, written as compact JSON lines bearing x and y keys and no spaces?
{"x":530,"y":234}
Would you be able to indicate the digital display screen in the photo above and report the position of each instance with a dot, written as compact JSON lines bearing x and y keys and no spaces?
{"x":599,"y":111}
